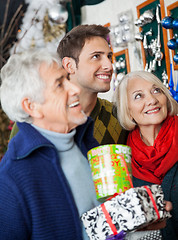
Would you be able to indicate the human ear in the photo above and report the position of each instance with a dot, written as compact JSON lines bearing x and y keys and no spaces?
{"x":31,"y":108}
{"x":69,"y":64}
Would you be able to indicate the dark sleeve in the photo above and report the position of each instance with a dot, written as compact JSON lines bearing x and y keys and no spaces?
{"x":138,"y":182}
{"x":12,"y":220}
{"x":84,"y":137}
{"x":170,"y":189}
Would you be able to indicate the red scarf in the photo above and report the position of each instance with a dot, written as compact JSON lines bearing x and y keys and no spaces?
{"x":151,"y":163}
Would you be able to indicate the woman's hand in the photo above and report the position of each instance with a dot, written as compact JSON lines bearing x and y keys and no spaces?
{"x":161,"y":224}
{"x":168,"y":206}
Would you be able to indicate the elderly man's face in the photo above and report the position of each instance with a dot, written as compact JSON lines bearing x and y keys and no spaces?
{"x":61,"y":109}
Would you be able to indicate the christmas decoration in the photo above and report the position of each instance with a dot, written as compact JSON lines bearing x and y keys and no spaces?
{"x":173,"y":92}
{"x":43,"y":25}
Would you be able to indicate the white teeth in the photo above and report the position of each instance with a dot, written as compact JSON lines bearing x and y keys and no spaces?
{"x":74,"y":104}
{"x":104,"y":76}
{"x":152,"y":111}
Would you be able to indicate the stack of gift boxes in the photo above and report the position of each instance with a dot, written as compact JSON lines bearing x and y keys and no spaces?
{"x":125,"y":212}
{"x":129,"y":211}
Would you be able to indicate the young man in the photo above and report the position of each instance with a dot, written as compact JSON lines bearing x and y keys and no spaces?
{"x":86,"y":55}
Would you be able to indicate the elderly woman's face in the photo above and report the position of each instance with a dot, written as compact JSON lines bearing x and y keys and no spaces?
{"x":61,"y":109}
{"x":146,"y":102}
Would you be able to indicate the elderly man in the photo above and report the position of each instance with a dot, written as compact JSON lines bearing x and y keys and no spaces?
{"x":45,"y":179}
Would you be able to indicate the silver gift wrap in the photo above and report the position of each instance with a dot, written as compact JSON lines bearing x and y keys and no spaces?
{"x":129,"y":211}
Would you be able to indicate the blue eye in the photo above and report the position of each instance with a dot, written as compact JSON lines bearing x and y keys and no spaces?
{"x":96,"y":56}
{"x":137,"y":96}
{"x":157,"y":90}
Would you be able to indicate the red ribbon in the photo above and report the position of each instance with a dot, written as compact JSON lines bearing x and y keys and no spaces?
{"x":153,"y":201}
{"x":109,"y":219}
{"x":115,"y":194}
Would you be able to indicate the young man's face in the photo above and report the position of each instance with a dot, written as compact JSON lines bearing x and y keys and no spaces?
{"x":61,"y":110}
{"x":94,"y":70}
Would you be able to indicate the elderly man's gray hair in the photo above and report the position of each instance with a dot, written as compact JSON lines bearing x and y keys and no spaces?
{"x":20,"y":78}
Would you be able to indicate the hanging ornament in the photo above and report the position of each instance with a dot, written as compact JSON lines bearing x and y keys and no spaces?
{"x":176,"y":93}
{"x":120,"y":76}
{"x":171,"y":82}
{"x":165,"y":79}
{"x":58,"y":14}
{"x":175,"y":23}
{"x":172,"y":44}
{"x":51,"y":32}
{"x":177,"y":40}
{"x":175,"y":58}
{"x":167,"y":22}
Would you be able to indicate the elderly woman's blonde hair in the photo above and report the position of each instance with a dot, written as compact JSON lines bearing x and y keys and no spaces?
{"x":121,"y":99}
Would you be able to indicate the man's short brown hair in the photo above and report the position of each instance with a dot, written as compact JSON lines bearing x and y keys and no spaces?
{"x":72,"y":43}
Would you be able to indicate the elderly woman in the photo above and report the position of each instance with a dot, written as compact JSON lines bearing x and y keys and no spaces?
{"x":45,"y":178}
{"x":146,"y":108}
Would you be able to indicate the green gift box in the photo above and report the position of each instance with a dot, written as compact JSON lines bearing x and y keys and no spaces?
{"x":111,"y":169}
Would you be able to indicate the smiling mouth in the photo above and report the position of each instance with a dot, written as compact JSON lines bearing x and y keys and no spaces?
{"x":74,"y":104}
{"x":104,"y":77}
{"x":152,"y":111}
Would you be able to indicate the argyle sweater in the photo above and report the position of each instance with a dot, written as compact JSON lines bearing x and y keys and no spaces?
{"x":107,"y":129}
